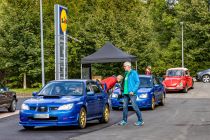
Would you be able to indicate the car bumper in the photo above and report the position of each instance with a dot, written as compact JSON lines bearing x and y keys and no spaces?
{"x":56,"y":118}
{"x":198,"y":77}
{"x":174,"y":88}
{"x":142,"y":103}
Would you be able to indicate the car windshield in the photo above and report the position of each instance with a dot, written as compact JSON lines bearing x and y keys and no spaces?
{"x":145,"y":82}
{"x":174,"y":73}
{"x":63,"y":88}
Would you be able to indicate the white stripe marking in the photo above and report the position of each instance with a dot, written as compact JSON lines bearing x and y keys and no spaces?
{"x":7,"y":114}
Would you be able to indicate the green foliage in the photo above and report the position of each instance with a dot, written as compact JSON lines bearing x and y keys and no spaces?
{"x":151,"y":31}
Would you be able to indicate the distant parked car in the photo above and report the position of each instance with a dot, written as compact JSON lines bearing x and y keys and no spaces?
{"x":203,"y":76}
{"x":150,"y":93}
{"x":66,"y":103}
{"x":178,"y":79}
{"x":8,"y":99}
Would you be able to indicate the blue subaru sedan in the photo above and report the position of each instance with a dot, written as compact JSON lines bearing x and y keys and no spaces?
{"x":65,"y":103}
{"x":151,"y":92}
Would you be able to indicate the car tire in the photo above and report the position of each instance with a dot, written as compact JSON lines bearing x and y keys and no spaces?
{"x":13,"y":105}
{"x":206,"y":78}
{"x":185,"y":89}
{"x":106,"y":115}
{"x":162,"y":102}
{"x":152,"y":103}
{"x":28,"y":127}
{"x":192,"y":85}
{"x":82,"y":118}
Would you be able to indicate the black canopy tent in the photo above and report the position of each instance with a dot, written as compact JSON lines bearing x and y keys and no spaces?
{"x":108,"y":53}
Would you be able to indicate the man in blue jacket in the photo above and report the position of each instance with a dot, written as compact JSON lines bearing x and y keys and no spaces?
{"x":131,"y":85}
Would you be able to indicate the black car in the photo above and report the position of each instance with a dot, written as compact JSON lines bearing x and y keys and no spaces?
{"x":8,"y":99}
{"x":203,"y":76}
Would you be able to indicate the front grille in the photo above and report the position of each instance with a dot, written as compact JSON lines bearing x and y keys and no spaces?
{"x":33,"y":108}
{"x":42,"y":109}
{"x":53,"y":108}
{"x":44,"y":119}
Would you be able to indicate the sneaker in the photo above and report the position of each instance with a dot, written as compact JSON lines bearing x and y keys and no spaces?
{"x":139,"y":123}
{"x":123,"y":123}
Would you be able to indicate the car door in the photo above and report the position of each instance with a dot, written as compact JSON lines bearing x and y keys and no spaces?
{"x":100,"y":97}
{"x":157,"y":88}
{"x":1,"y":98}
{"x":92,"y":101}
{"x":4,"y":95}
{"x":188,"y":78}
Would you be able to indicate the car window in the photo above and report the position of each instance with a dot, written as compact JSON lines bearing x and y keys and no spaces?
{"x":187,"y":73}
{"x":88,"y":87}
{"x":145,"y":82}
{"x":155,"y":81}
{"x":95,"y":88}
{"x":63,"y":88}
{"x":175,"y":73}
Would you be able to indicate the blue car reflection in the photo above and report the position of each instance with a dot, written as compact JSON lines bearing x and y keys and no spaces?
{"x":151,"y":92}
{"x":66,"y":103}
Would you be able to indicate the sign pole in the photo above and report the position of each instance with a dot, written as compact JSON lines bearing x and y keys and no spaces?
{"x":42,"y":46}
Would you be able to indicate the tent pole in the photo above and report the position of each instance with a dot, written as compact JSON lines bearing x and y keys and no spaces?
{"x":81,"y":71}
{"x":136,"y":65}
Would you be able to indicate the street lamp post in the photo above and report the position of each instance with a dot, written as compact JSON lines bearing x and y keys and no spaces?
{"x":182,"y":44}
{"x":42,"y":46}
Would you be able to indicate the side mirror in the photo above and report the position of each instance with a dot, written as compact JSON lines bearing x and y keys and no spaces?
{"x":90,"y":93}
{"x":34,"y":94}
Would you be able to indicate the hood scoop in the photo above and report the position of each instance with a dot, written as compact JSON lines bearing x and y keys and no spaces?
{"x":51,"y":97}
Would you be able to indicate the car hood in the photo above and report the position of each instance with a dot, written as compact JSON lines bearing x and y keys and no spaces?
{"x":46,"y":100}
{"x":204,"y":71}
{"x":172,"y":81}
{"x":140,"y":90}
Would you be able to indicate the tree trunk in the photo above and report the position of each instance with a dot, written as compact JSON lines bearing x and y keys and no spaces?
{"x":24,"y":81}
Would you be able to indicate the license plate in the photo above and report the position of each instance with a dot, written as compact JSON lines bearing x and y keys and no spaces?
{"x":41,"y":116}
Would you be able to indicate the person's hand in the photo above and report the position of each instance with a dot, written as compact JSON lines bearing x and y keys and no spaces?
{"x":131,"y":93}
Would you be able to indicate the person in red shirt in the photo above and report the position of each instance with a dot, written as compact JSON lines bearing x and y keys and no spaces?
{"x":148,"y":70}
{"x":109,"y":82}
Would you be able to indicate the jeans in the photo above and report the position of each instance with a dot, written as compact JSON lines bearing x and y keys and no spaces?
{"x":132,"y":98}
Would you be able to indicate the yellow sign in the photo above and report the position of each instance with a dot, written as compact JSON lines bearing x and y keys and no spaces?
{"x":63,"y":20}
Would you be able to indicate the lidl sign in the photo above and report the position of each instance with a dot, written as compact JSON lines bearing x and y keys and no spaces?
{"x":61,"y":48}
{"x":63,"y":19}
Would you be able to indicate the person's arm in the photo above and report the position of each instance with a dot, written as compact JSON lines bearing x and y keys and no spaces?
{"x":137,"y":81}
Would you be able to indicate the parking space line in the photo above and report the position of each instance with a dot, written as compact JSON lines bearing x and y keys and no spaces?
{"x":7,"y":114}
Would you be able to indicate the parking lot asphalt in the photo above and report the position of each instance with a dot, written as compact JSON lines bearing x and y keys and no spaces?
{"x":186,"y":116}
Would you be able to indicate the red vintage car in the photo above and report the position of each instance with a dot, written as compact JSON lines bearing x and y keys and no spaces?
{"x":178,"y":79}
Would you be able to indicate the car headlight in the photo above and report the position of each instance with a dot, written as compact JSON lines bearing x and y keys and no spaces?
{"x":114,"y":95}
{"x":66,"y":107}
{"x":144,"y":95}
{"x":24,"y":107}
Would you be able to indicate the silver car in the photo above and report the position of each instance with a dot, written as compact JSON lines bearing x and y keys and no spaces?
{"x":203,"y":76}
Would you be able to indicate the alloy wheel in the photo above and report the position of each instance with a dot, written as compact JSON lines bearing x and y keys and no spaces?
{"x":206,"y":78}
{"x":106,"y":114}
{"x":82,"y":118}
